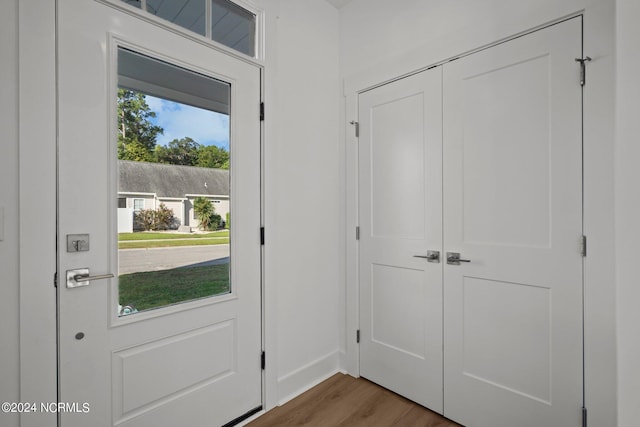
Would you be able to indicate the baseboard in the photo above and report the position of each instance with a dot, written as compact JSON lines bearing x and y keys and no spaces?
{"x":251,"y":418}
{"x":308,"y":376}
{"x":342,"y":361}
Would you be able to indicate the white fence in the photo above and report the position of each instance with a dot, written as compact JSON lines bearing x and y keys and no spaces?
{"x":125,"y":220}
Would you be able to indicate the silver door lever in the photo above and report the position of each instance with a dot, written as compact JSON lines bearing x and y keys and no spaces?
{"x":453,"y":258}
{"x":81,"y":277}
{"x":87,"y":278}
{"x":431,"y":256}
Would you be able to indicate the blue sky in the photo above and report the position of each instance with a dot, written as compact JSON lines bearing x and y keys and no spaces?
{"x":180,"y":120}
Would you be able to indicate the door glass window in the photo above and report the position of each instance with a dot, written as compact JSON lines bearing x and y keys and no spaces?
{"x":220,"y":20}
{"x":233,"y":26}
{"x":188,"y":14}
{"x":173,"y":148}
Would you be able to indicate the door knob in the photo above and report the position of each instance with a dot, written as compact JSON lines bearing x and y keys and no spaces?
{"x":431,"y":256}
{"x":453,"y":258}
{"x":81,"y":277}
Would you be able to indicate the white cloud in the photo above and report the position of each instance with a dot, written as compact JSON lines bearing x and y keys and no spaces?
{"x":180,"y":120}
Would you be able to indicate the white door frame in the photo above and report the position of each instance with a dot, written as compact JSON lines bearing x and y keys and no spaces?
{"x":37,"y":97}
{"x":599,"y":308}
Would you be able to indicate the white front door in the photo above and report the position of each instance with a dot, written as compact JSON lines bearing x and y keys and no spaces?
{"x":191,"y":362}
{"x":400,"y":222}
{"x":500,"y":185}
{"x":513,"y":207}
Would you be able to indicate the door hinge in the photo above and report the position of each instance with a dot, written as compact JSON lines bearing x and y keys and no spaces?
{"x":55,"y":279}
{"x":583,"y":71}
{"x":357,"y":126}
{"x":583,"y":246}
{"x":358,"y":336}
{"x":262,"y":236}
{"x":262,"y":111}
{"x":263,"y":360}
{"x":584,"y":417}
{"x":357,"y":233}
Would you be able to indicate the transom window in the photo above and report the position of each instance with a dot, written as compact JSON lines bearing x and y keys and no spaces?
{"x":220,"y":20}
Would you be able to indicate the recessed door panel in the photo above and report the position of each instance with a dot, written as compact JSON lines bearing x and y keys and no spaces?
{"x":397,"y":168}
{"x":513,"y":355}
{"x":206,"y":355}
{"x":395,"y":290}
{"x":506,"y":155}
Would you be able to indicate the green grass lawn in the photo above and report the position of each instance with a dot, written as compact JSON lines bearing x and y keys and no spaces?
{"x":154,"y":289}
{"x":164,"y":240}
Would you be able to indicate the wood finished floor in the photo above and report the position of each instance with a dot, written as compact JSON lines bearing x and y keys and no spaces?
{"x":346,"y":401}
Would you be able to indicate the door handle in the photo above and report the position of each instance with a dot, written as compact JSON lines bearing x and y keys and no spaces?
{"x":431,"y":256}
{"x":80,"y":277}
{"x":453,"y":258}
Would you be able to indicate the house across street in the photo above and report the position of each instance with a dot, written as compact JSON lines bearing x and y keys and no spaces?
{"x":147,"y":185}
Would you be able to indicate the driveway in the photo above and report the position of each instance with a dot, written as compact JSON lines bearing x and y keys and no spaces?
{"x":154,"y":259}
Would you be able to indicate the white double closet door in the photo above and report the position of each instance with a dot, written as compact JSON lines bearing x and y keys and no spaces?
{"x":481,"y":157}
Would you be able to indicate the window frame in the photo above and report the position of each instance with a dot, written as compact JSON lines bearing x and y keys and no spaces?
{"x":141,"y":13}
{"x":133,"y":205}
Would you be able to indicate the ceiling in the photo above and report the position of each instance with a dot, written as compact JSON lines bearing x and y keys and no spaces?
{"x":339,"y":3}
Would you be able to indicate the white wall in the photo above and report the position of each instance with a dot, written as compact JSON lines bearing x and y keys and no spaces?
{"x":628,"y":210}
{"x":383,"y":39}
{"x":301,"y":194}
{"x":9,"y":244}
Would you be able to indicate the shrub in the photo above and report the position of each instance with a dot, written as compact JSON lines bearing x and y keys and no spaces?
{"x":164,"y":218}
{"x":215,"y":222}
{"x":143,"y":219}
{"x":155,"y":219}
{"x":227,"y":223}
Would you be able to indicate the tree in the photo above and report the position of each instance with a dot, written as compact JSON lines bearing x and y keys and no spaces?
{"x":211,"y":156}
{"x":206,"y":214}
{"x":135,"y":151}
{"x":183,"y":151}
{"x":136,"y":133}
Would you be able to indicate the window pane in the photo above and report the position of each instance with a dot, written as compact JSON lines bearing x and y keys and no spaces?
{"x":233,"y":26}
{"x":189,"y":14}
{"x":173,"y":185}
{"x":138,"y":205}
{"x":134,"y":3}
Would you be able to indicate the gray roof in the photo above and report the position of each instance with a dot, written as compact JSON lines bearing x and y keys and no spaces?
{"x":171,"y":180}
